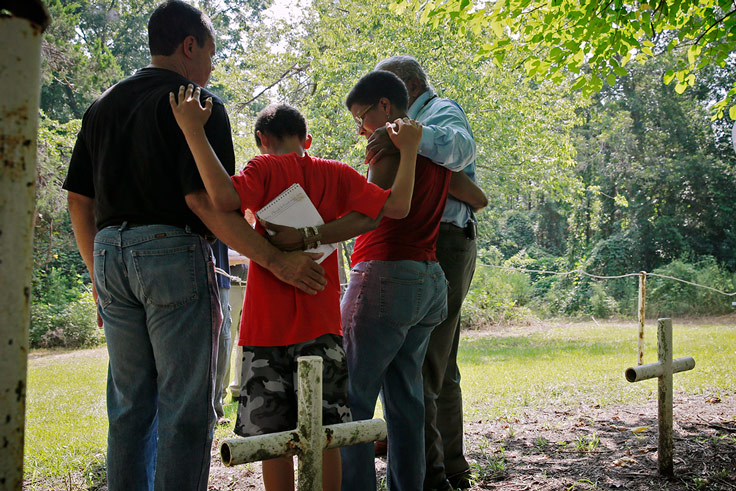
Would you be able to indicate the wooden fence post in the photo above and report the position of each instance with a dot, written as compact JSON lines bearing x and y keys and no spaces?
{"x":642,"y":310}
{"x":20,"y":79}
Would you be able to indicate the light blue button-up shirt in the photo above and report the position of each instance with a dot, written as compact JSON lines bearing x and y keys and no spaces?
{"x":448,"y":141}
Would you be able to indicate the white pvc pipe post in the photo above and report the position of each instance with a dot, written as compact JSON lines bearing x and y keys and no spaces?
{"x":309,"y":439}
{"x":20,"y":78}
{"x":663,"y":369}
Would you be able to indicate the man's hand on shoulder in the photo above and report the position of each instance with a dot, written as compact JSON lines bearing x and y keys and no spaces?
{"x":299,"y":269}
{"x":379,"y":145}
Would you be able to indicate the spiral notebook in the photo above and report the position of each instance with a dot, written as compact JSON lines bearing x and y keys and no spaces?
{"x":294,"y":208}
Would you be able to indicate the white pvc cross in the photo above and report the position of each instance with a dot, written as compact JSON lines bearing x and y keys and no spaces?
{"x":664,"y":369}
{"x":309,"y":439}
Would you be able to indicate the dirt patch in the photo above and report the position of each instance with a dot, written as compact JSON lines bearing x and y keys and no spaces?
{"x":583,"y":448}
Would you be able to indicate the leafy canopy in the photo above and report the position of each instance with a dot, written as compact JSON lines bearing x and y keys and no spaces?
{"x":597,"y":39}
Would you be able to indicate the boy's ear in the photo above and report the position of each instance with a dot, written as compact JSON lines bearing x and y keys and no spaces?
{"x":307,"y":142}
{"x":265,"y":140}
{"x":385,"y":105}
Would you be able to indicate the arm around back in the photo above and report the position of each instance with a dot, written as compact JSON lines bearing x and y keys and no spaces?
{"x":464,"y":189}
{"x":295,"y":268}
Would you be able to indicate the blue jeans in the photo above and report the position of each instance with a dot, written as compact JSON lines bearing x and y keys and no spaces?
{"x":223,"y":353}
{"x":388,"y":313}
{"x":157,"y":295}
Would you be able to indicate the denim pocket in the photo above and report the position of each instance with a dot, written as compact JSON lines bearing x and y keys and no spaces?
{"x":167,"y":277}
{"x":103,"y":295}
{"x":400,"y":300}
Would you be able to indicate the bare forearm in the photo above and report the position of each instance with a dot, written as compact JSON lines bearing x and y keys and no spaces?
{"x":214,"y":176}
{"x":464,"y":189}
{"x":297,"y":269}
{"x":82,"y":213}
{"x":398,"y":203}
{"x":347,"y":227}
{"x":231,"y":228}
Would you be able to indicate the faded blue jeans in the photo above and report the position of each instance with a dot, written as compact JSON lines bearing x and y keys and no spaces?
{"x":388,"y":313}
{"x":157,"y":295}
{"x":223,"y":354}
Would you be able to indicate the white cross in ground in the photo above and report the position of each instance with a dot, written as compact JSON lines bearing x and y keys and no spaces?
{"x":309,"y":439}
{"x":664,"y":369}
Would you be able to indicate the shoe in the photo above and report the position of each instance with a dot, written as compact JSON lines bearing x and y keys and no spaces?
{"x":380,"y":448}
{"x":222,"y":420}
{"x":461,"y":480}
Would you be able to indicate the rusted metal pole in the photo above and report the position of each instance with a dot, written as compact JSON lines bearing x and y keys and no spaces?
{"x":21,"y":27}
{"x":664,"y":349}
{"x":642,"y":310}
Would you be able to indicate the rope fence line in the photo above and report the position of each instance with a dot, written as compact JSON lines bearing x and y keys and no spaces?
{"x":585,"y":273}
{"x":237,"y":279}
{"x":241,"y":281}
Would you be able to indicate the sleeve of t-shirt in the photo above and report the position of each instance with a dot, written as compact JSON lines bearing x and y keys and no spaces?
{"x":219,"y":135}
{"x":250,"y":184}
{"x":79,"y":176}
{"x":357,"y":193}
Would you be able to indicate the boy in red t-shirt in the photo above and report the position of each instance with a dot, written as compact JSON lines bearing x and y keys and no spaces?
{"x":279,"y":322}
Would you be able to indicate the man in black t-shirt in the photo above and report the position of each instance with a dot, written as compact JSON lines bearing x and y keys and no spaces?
{"x":142,"y":222}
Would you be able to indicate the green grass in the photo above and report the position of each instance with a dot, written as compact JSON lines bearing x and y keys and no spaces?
{"x":503,"y":375}
{"x":66,"y":419}
{"x":583,"y":363}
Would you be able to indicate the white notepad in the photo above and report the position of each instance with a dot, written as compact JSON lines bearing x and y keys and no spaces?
{"x":294,"y":208}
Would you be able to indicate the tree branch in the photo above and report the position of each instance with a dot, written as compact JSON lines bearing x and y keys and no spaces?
{"x":293,"y":70}
{"x":697,"y":40}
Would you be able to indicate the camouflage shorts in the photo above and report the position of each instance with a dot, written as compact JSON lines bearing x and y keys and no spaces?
{"x":268,"y":403}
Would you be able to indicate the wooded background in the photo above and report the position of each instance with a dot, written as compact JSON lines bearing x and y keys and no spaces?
{"x":612,"y":175}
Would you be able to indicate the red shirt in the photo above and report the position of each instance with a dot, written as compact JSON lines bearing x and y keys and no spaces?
{"x":415,"y":236}
{"x":275,"y":313}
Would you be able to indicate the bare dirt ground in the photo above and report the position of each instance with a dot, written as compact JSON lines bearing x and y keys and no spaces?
{"x":585,"y":448}
{"x":588,"y":447}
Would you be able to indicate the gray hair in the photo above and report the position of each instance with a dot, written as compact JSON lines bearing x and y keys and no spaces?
{"x":405,"y":67}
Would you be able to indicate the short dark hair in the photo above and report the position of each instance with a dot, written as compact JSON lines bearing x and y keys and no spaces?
{"x":376,"y":84}
{"x":280,"y":120}
{"x":172,"y":22}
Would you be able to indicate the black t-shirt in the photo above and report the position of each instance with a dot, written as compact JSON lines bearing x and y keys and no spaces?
{"x":132,"y":158}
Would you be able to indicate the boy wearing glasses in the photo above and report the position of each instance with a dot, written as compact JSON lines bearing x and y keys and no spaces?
{"x":280,"y":323}
{"x":395,"y":297}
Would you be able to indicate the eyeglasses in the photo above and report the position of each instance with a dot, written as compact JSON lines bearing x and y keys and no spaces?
{"x":359,"y":118}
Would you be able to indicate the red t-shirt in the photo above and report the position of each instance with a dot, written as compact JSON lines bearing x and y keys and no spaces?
{"x":275,"y":313}
{"x":415,"y":236}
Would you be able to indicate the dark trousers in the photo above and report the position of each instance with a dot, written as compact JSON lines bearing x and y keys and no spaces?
{"x":443,"y":424}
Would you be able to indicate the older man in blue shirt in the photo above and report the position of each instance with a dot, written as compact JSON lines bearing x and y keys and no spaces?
{"x":448,"y":141}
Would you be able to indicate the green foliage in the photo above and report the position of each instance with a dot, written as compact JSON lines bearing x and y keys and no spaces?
{"x":69,"y":325}
{"x":602,"y":305}
{"x":668,"y":298}
{"x":596,"y":41}
{"x":63,"y":312}
{"x":496,"y":296}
